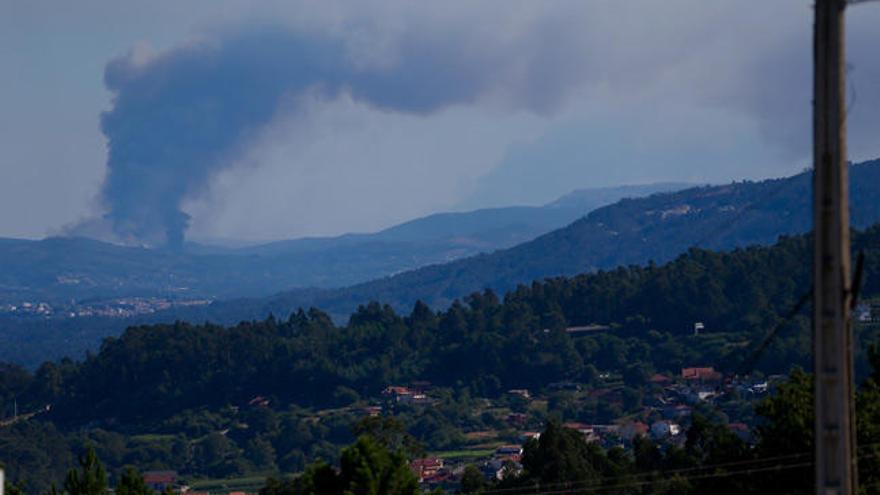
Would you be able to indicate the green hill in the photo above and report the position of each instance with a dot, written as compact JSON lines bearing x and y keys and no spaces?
{"x":632,"y":231}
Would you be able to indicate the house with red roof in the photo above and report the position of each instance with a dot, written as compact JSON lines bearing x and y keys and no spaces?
{"x":159,"y":480}
{"x":426,"y":468}
{"x":702,"y":375}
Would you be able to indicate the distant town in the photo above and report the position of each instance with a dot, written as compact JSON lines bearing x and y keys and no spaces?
{"x":123,"y":307}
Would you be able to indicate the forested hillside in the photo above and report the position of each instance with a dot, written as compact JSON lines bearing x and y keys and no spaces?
{"x":158,"y":395}
{"x":491,"y":344}
{"x":632,"y":231}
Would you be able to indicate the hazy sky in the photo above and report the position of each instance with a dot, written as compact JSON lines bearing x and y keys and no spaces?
{"x":264,"y":120}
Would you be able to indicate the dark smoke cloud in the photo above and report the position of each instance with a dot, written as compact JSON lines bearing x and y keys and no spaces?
{"x":182,"y":116}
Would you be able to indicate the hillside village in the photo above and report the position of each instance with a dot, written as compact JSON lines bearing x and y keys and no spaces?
{"x":663,"y":415}
{"x":123,"y":307}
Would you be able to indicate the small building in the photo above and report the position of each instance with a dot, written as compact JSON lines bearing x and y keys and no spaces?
{"x":426,"y":467}
{"x":705,"y":395}
{"x":633,"y":429}
{"x":580,"y":427}
{"x":500,"y":468}
{"x":414,"y":399}
{"x":530,"y":435}
{"x":493,"y":469}
{"x":703,"y":375}
{"x":405,"y":395}
{"x":394,"y":392}
{"x":443,"y":479}
{"x":159,"y":480}
{"x":259,"y":401}
{"x":508,"y":450}
{"x":372,"y":411}
{"x":664,"y":429}
{"x":605,"y":429}
{"x":759,"y":388}
{"x":659,"y":379}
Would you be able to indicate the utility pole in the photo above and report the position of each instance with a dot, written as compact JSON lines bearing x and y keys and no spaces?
{"x":832,"y":320}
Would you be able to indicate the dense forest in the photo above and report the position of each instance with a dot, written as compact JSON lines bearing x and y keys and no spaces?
{"x":485,"y":342}
{"x":182,"y":381}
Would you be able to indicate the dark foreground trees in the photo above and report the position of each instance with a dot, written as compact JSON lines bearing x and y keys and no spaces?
{"x":90,"y":479}
{"x":366,"y":468}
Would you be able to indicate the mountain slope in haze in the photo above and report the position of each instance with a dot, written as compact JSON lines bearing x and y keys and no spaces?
{"x":485,"y":229}
{"x":632,"y":231}
{"x":61,"y":269}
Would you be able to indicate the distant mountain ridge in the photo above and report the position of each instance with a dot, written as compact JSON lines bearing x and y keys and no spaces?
{"x":489,"y":228}
{"x":632,"y":231}
{"x":62,"y":269}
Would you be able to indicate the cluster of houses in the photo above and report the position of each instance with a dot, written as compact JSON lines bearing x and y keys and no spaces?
{"x":28,"y":308}
{"x":666,"y":410}
{"x":702,"y":385}
{"x":666,"y":413}
{"x":131,"y":306}
{"x":433,"y":472}
{"x":114,"y":308}
{"x":413,"y":395}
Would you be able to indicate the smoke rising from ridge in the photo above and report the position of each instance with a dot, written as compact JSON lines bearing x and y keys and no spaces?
{"x":183,"y":115}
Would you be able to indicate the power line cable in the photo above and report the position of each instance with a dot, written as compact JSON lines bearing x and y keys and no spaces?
{"x":749,"y":362}
{"x":741,"y":463}
{"x":592,"y":486}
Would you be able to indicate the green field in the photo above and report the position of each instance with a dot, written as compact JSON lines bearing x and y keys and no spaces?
{"x":250,"y":484}
{"x":462,"y":454}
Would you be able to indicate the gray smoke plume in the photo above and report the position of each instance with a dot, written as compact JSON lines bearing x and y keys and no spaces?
{"x":185,"y":114}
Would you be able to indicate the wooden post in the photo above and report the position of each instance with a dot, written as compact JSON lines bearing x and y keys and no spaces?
{"x":832,"y":321}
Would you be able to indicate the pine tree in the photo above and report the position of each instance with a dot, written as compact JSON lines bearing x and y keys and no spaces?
{"x":91,"y":479}
{"x":132,"y":483}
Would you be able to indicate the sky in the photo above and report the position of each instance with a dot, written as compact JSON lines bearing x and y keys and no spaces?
{"x":257,"y":120}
